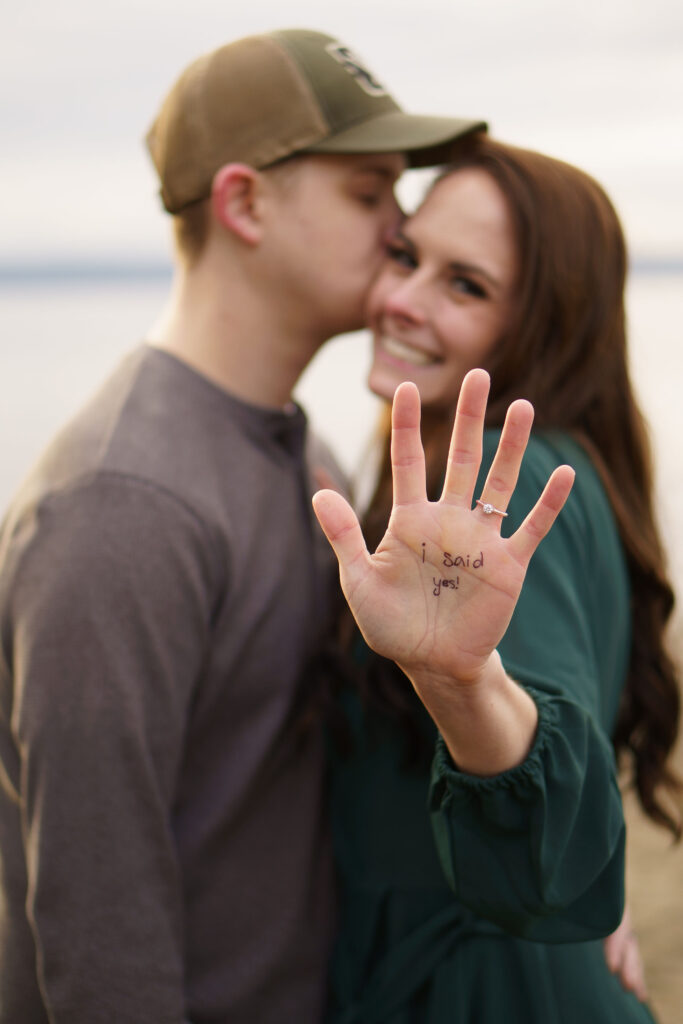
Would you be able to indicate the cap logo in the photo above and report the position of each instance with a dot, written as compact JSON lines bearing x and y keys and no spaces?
{"x":355,"y":67}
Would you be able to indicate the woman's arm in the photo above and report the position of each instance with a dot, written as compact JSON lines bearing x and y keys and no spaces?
{"x":525,"y":804}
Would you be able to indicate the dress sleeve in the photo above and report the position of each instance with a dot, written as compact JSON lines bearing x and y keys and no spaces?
{"x":108,"y":619}
{"x":539,"y":850}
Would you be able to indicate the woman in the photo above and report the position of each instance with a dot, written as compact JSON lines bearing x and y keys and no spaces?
{"x":494,"y":911}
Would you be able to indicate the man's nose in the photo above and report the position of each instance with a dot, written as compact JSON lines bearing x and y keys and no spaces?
{"x":395,"y":218}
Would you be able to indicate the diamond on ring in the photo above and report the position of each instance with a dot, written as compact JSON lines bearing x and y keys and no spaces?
{"x":488,"y":509}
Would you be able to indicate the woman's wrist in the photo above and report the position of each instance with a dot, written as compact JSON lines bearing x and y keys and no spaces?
{"x":488,"y":722}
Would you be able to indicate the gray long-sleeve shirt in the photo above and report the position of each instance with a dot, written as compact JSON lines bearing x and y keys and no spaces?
{"x":162,"y":585}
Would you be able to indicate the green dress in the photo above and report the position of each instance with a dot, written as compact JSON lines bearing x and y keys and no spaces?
{"x":484,"y":901}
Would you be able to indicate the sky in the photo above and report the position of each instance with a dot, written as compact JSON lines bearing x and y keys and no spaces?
{"x":596,"y":82}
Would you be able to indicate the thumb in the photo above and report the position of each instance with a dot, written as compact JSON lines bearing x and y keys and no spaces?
{"x":342,"y":529}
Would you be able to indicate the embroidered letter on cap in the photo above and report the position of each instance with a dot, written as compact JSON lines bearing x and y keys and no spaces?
{"x":355,"y":67}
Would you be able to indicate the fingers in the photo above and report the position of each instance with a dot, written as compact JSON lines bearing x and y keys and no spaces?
{"x":464,"y":456}
{"x":502,"y":477}
{"x":632,"y":973}
{"x":342,"y":529}
{"x":407,"y":456}
{"x":623,"y":957}
{"x":614,"y":946}
{"x":524,"y":542}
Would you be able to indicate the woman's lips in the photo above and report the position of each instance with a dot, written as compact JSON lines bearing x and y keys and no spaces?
{"x":405,"y":352}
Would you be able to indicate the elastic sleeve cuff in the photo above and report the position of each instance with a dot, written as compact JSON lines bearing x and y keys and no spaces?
{"x":446,"y":776}
{"x":538,"y":849}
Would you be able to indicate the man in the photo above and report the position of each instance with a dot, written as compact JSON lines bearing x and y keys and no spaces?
{"x":162,"y":853}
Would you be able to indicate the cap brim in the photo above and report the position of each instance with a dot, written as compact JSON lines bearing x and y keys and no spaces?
{"x":424,"y":140}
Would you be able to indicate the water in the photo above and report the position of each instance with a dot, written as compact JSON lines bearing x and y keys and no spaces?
{"x":57,"y":341}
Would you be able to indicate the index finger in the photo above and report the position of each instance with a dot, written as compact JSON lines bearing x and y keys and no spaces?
{"x":407,"y":454}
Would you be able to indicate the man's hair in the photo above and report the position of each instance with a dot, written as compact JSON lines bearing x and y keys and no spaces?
{"x":191,"y":231}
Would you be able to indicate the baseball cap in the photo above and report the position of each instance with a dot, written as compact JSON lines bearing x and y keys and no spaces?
{"x":266,"y":97}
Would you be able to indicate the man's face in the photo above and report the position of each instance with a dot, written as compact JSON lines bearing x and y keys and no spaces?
{"x":330,"y":220}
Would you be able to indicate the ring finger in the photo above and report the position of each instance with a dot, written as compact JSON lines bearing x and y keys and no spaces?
{"x":502,"y":476}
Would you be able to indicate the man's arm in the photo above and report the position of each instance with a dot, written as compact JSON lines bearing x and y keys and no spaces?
{"x":110,"y":614}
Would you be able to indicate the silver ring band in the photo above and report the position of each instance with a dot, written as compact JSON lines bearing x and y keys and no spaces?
{"x":489,"y":510}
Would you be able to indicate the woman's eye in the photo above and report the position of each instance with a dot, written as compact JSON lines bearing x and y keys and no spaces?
{"x":397,"y":254}
{"x":467,"y":286}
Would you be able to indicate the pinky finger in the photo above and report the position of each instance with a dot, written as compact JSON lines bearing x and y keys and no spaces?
{"x":538,"y":523}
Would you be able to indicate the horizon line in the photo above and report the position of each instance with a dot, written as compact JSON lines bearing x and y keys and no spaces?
{"x":117,"y":270}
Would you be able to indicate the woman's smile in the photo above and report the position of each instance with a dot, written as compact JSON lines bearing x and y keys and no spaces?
{"x":401,"y":351}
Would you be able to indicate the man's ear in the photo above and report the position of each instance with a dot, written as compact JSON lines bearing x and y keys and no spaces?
{"x":236,"y":201}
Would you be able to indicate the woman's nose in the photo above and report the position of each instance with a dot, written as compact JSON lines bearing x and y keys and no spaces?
{"x":407,"y":300}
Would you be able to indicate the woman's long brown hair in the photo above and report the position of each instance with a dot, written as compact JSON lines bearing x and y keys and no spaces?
{"x":565,"y":351}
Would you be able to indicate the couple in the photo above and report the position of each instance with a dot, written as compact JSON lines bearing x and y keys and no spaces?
{"x":164,"y":588}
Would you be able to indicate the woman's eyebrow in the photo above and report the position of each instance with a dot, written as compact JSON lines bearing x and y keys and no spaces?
{"x":398,"y":236}
{"x":459,"y":267}
{"x":454,"y":266}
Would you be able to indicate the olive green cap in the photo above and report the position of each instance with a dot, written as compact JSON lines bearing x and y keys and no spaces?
{"x":263,"y":98}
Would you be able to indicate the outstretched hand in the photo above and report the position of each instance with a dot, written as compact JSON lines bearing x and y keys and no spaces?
{"x":438,"y":593}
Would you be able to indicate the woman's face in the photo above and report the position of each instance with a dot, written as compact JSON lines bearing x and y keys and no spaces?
{"x":447,"y":291}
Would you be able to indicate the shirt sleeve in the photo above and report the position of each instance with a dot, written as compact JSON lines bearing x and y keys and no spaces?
{"x":539,"y":850}
{"x":110,"y":610}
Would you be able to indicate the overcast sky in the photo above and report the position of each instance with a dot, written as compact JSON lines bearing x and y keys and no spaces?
{"x":597,"y":82}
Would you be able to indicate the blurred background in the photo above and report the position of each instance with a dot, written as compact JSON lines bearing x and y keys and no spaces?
{"x":84,"y":244}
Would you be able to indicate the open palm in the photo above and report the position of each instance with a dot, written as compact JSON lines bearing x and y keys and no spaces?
{"x":438,"y":593}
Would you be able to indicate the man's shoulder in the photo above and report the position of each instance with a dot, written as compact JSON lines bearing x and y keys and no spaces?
{"x":145,"y":423}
